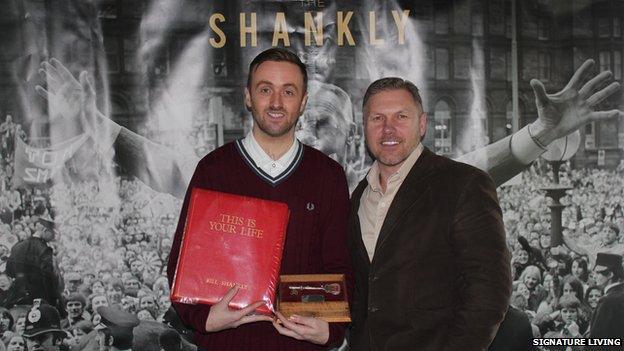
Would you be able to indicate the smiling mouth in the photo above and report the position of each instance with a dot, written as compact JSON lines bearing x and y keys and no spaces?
{"x":276,"y":115}
{"x":390,"y":143}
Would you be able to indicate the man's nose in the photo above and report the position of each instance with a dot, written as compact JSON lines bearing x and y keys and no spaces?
{"x":388,"y":125}
{"x":276,"y":100}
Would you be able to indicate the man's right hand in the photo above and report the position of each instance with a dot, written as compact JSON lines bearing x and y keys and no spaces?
{"x":222,"y":317}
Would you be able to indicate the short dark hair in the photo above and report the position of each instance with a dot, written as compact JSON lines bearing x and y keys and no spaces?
{"x":391,"y":83}
{"x":78,"y":298}
{"x":575,"y":284}
{"x":590,"y":289}
{"x":568,"y":301}
{"x":277,"y":55}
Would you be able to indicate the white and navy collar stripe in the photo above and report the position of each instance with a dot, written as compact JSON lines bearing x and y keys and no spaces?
{"x":276,"y":180}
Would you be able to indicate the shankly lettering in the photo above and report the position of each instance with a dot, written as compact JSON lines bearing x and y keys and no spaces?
{"x":231,"y":224}
{"x":313,"y":25}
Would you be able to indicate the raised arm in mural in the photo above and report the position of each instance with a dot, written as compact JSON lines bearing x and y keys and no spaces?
{"x":160,"y":168}
{"x":607,"y":241}
{"x":154,"y":164}
{"x":558,"y":115}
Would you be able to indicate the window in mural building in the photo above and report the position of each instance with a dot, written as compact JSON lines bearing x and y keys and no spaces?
{"x":605,"y":60}
{"x":443,"y":130}
{"x":430,"y":71}
{"x":604,"y":27}
{"x":424,"y":17}
{"x":442,"y":63}
{"x":461,"y":62}
{"x":461,"y":23}
{"x":498,"y":64}
{"x":582,"y":19}
{"x":497,"y":17}
{"x":529,"y":64}
{"x":130,"y":44}
{"x":441,"y":19}
{"x":590,"y":135}
{"x":480,"y":130}
{"x":111,"y":46}
{"x":528,"y":25}
{"x":608,"y":132}
{"x":617,"y":27}
{"x":544,"y":66}
{"x":617,"y":64}
{"x":477,"y":22}
{"x":543,"y":29}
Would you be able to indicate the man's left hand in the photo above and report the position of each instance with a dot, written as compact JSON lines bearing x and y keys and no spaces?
{"x":309,"y":329}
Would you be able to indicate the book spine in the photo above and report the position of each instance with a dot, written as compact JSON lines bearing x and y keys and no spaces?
{"x":174,"y":289}
{"x":277,"y":257}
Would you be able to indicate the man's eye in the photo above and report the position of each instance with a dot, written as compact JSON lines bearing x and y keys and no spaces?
{"x":265,"y":90}
{"x":289,"y":92}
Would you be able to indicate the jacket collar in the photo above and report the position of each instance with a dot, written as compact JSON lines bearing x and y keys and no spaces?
{"x":409,"y":193}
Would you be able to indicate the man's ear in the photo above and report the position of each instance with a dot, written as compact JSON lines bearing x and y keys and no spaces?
{"x":247,"y":99}
{"x":304,"y":101}
{"x":422,"y":124}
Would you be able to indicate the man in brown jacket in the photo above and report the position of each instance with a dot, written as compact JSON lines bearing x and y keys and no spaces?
{"x":432,"y":271}
{"x":426,"y":237}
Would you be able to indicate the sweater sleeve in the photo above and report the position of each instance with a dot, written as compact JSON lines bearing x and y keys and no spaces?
{"x":193,"y":316}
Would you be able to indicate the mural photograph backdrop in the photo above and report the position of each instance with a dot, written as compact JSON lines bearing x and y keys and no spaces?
{"x":106,"y":107}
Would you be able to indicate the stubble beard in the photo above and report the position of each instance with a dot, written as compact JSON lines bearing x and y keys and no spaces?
{"x":267,"y":129}
{"x":390,"y":161}
{"x":393,"y":160}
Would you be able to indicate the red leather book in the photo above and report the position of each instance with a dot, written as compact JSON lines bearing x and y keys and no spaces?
{"x":230,"y":239}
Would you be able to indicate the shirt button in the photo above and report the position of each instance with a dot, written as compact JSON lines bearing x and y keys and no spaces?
{"x":273,"y":165}
{"x":382,"y":204}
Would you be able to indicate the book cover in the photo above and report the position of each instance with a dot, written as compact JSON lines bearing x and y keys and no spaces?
{"x":230,"y":239}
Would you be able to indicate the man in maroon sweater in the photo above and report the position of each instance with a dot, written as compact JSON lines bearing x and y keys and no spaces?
{"x":270,"y":163}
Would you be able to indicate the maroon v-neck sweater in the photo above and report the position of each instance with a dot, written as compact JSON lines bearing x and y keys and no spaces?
{"x":315,"y":189}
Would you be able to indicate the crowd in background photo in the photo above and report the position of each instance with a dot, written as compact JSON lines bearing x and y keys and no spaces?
{"x":111,"y":248}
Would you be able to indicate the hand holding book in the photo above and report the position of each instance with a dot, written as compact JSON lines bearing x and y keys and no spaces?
{"x":222,"y":317}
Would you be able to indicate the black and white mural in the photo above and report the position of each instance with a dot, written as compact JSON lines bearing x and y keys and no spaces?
{"x":107,"y":105}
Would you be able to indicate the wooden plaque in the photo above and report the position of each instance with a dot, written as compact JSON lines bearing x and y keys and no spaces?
{"x":317,"y":295}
